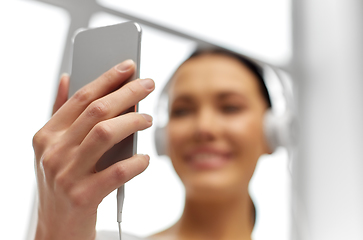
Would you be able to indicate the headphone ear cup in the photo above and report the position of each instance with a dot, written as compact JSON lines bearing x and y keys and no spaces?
{"x":278,"y":130}
{"x":160,"y":140}
{"x":270,"y":130}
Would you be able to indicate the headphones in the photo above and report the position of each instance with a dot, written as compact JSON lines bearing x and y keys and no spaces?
{"x":279,"y":120}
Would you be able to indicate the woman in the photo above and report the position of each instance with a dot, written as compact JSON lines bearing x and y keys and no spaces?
{"x":214,"y":135}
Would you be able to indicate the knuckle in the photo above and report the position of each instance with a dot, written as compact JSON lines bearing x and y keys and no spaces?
{"x":132,"y":89}
{"x":136,"y":121}
{"x":83,"y":95}
{"x":98,"y":109}
{"x":108,"y":77}
{"x":120,"y":172}
{"x":39,"y":139}
{"x":102,"y":132}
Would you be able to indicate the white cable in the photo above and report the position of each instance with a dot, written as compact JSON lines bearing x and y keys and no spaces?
{"x":120,"y":203}
{"x":119,"y":230}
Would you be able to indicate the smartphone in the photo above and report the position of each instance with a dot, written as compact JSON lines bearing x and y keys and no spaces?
{"x":94,"y":52}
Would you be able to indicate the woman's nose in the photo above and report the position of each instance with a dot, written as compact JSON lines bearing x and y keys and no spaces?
{"x":206,"y":127}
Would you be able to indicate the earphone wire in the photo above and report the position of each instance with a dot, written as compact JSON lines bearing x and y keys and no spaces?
{"x":120,"y":203}
{"x":119,"y":230}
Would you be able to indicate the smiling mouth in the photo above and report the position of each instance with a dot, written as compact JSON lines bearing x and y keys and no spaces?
{"x":208,"y":160}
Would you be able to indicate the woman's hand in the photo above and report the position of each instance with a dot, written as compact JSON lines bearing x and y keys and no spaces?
{"x":67,"y":148}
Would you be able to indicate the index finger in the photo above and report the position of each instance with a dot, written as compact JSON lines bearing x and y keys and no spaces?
{"x":103,"y":85}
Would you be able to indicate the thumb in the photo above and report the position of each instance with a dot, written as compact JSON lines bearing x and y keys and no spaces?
{"x":62,"y":94}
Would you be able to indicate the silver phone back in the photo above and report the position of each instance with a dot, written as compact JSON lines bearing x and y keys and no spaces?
{"x":94,"y":52}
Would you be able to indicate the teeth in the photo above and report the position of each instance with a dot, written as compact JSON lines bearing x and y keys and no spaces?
{"x":202,"y":157}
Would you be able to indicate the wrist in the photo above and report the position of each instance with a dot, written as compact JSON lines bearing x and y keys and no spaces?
{"x":60,"y":231}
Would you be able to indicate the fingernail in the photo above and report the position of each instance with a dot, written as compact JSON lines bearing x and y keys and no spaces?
{"x":64,"y":75}
{"x":147,"y":157}
{"x":147,"y":83}
{"x":125,"y":65}
{"x":147,"y":117}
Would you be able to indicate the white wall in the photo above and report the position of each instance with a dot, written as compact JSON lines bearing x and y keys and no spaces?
{"x":328,"y":50}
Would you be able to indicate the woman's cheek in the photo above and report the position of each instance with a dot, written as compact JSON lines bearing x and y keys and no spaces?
{"x":173,"y":132}
{"x":178,"y":139}
{"x":178,"y":134}
{"x":244,"y":137}
{"x":245,"y":133}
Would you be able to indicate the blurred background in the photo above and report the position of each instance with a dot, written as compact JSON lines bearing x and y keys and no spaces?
{"x":318,"y":42}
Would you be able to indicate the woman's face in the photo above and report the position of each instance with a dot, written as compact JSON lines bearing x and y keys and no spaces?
{"x":215,"y":131}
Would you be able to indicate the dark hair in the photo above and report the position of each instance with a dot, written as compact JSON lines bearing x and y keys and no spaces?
{"x":253,"y":67}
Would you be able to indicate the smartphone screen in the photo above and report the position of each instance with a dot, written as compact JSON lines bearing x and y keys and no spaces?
{"x":94,"y":52}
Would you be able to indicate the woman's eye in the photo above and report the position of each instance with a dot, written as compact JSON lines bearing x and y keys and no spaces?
{"x":180,"y":112}
{"x":230,"y":109}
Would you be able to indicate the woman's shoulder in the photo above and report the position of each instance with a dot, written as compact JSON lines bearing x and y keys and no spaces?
{"x":112,"y":235}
